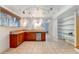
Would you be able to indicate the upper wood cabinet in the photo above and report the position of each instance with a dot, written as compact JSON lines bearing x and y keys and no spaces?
{"x":7,"y":18}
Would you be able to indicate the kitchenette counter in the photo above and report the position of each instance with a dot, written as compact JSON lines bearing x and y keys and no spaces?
{"x":19,"y":36}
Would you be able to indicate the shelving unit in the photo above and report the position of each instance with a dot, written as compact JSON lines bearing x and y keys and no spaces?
{"x":66,"y":28}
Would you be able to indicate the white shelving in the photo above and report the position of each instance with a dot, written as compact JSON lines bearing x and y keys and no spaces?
{"x":66,"y":28}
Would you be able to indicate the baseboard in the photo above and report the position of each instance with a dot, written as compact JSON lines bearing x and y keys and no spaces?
{"x":4,"y":51}
{"x":70,"y":42}
{"x":76,"y":50}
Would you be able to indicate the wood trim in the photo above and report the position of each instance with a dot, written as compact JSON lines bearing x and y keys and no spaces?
{"x":77,"y":32}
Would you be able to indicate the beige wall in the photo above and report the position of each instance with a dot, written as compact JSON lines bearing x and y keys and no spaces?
{"x":4,"y":37}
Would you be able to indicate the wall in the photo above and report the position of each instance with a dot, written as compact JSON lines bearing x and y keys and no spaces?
{"x":63,"y":10}
{"x":54,"y":28}
{"x":35,"y":23}
{"x":4,"y":37}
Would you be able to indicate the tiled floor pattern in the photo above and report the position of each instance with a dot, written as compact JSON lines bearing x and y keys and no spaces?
{"x":32,"y":47}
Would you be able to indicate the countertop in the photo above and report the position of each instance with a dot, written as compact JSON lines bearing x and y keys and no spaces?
{"x":22,"y":31}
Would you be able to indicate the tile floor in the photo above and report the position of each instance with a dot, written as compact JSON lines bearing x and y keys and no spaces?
{"x":32,"y":47}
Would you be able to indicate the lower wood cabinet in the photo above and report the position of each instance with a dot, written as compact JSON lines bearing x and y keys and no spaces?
{"x":30,"y":36}
{"x":16,"y":39}
{"x":43,"y":36}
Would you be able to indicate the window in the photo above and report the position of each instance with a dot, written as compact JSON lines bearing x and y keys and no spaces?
{"x":7,"y":20}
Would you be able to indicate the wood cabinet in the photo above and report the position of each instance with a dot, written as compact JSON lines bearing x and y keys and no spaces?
{"x":30,"y":36}
{"x":43,"y":36}
{"x":16,"y":39}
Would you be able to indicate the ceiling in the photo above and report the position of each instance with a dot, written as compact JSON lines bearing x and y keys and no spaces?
{"x":35,"y":10}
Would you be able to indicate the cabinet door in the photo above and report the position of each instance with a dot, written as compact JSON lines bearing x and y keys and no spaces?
{"x":13,"y":41}
{"x":25,"y":36}
{"x":22,"y":34}
{"x":21,"y":37}
{"x":43,"y":36}
{"x":18,"y":39}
